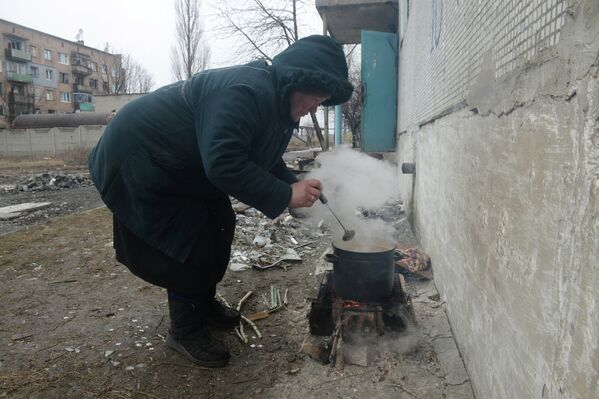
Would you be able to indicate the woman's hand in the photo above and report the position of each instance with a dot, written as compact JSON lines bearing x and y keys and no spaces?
{"x":305,"y":193}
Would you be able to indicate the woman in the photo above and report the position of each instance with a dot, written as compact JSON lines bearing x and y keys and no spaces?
{"x":168,"y":162}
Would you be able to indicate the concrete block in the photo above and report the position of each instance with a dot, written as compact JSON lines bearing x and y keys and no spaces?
{"x":14,"y":211}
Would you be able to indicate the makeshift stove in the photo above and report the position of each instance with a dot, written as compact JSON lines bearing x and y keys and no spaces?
{"x":347,"y":331}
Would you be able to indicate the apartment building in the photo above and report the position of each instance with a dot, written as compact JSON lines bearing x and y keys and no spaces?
{"x":43,"y":73}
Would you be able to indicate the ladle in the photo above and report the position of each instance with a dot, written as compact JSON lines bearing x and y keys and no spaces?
{"x":347,"y":234}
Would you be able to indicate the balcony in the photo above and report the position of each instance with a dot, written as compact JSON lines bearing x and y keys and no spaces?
{"x":17,"y":55}
{"x":346,"y":18}
{"x":24,"y":98}
{"x":80,"y":69}
{"x":86,"y":107}
{"x":84,"y":102}
{"x":81,"y":88}
{"x":18,"y":77}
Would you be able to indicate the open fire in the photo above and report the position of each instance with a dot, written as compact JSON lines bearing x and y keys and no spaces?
{"x":349,"y":331}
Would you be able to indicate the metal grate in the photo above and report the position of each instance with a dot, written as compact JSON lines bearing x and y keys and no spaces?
{"x":446,"y":41}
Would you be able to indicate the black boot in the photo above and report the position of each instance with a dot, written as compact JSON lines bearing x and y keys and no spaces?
{"x":189,"y":336}
{"x":220,"y":315}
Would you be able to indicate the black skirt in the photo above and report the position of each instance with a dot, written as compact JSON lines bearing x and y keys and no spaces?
{"x":204,"y":267}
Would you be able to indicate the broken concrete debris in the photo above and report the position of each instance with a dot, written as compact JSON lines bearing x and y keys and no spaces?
{"x":14,"y":211}
{"x":261,"y":241}
{"x":268,"y":243}
{"x":289,"y":256}
{"x":240,"y":207}
{"x":51,"y":181}
{"x":238,"y":267}
{"x":389,"y":212}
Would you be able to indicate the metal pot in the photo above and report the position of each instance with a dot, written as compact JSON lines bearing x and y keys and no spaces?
{"x":362,"y":272}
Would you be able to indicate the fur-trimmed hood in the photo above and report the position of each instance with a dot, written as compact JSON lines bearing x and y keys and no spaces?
{"x":314,"y":62}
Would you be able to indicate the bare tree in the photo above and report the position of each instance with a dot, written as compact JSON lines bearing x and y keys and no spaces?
{"x":189,"y":54}
{"x":352,"y":109}
{"x":39,"y":97}
{"x":123,"y":74}
{"x":112,"y":74}
{"x":15,"y":103}
{"x":265,"y":27}
{"x":136,"y":78}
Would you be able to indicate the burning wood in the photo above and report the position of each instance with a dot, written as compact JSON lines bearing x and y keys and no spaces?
{"x":352,"y":329}
{"x":349,"y":304}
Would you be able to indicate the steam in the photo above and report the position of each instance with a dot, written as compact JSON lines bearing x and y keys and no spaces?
{"x":353,"y":180}
{"x":400,"y":344}
{"x":362,"y":350}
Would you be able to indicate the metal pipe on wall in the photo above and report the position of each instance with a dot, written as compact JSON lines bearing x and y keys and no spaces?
{"x":325,"y":109}
{"x":338,"y":126}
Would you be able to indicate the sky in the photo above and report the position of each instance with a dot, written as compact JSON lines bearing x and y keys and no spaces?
{"x":145,"y":29}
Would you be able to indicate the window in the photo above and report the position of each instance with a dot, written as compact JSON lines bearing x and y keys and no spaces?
{"x":105,"y":87}
{"x":63,"y":58}
{"x":33,"y":50}
{"x":49,"y":74}
{"x":15,"y":44}
{"x":35,"y":72}
{"x":65,"y":97}
{"x":79,"y":80}
{"x":1,"y":110}
{"x":16,"y":67}
{"x":48,"y":54}
{"x":93,"y":83}
{"x":18,"y":90}
{"x":49,"y":95}
{"x":114,"y":72}
{"x":64,"y":77}
{"x":93,"y":65}
{"x":105,"y":68}
{"x":82,"y":98}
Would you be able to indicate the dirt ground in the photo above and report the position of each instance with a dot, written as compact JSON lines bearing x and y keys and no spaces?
{"x":74,"y":323}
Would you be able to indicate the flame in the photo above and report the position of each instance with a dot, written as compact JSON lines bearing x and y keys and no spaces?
{"x":349,"y":304}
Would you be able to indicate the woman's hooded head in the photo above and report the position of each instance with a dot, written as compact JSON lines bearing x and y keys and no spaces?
{"x":314,"y":63}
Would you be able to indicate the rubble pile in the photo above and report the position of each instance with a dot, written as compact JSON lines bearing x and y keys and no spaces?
{"x":391,"y":211}
{"x":302,"y":164}
{"x":51,"y":181}
{"x":261,"y":242}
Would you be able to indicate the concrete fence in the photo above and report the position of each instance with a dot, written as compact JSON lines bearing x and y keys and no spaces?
{"x":53,"y":141}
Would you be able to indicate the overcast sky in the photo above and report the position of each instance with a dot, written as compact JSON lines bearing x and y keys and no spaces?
{"x":143,"y":28}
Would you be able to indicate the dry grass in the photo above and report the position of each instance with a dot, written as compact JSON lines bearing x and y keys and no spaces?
{"x":29,"y":162}
{"x":76,"y":157}
{"x":78,"y":225}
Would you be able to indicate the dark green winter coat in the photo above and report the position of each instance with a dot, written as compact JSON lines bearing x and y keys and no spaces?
{"x":222,"y":132}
